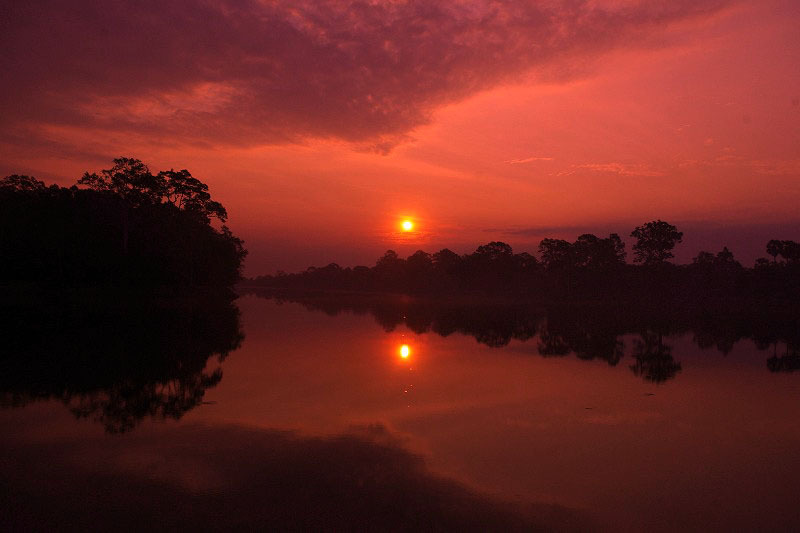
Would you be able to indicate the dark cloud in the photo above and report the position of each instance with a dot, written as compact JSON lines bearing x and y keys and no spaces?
{"x":249,"y":72}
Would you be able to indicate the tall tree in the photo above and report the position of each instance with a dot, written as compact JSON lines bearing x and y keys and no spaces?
{"x":494,"y":251}
{"x":775,"y":248}
{"x":130,"y":179}
{"x":655,"y":241}
{"x":790,"y":251}
{"x":555,"y":254}
{"x":181,"y":189}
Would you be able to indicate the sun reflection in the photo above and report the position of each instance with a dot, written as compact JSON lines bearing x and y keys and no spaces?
{"x":405,"y":351}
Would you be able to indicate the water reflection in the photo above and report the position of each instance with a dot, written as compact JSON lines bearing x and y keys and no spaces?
{"x":653,"y":358}
{"x":116,"y":362}
{"x":606,"y":332}
{"x":405,"y":351}
{"x":360,"y":480}
{"x":534,"y":421}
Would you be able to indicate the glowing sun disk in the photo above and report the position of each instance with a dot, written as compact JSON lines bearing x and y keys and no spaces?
{"x":405,"y":351}
{"x":407,"y":225}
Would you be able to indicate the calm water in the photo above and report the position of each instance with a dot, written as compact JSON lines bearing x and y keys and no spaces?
{"x":321,"y":419}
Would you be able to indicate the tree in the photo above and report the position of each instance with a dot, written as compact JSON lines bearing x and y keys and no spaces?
{"x":775,"y":248}
{"x":181,"y":189}
{"x":725,"y":258}
{"x":592,"y":252}
{"x":704,"y":258}
{"x":419,"y":261}
{"x":446,"y":260}
{"x":125,"y":226}
{"x":762,"y":263}
{"x":619,"y":248}
{"x":790,"y":251}
{"x":388,"y":260}
{"x":584,"y":249}
{"x":494,"y":251}
{"x":555,"y":253}
{"x":655,"y":241}
{"x":525,"y":261}
{"x":21,"y":183}
{"x":130,"y":179}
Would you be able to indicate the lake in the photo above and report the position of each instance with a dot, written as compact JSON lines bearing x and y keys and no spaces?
{"x":388,"y":413}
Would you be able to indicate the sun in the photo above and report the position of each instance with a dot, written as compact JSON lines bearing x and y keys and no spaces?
{"x":407,"y":225}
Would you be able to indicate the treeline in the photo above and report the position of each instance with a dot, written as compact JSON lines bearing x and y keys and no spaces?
{"x":124,"y":226}
{"x":589,"y":267}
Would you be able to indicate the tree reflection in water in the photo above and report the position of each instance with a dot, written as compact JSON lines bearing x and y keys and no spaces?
{"x":653,"y":358}
{"x":595,"y":331}
{"x":116,"y":361}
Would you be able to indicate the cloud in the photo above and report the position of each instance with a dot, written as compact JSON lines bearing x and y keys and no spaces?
{"x":528,"y":160}
{"x":775,"y":167}
{"x":623,"y":169}
{"x":766,"y":167}
{"x":249,"y":72}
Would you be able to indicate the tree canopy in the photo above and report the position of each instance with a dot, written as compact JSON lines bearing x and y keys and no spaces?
{"x":121,"y":226}
{"x":654,"y":242}
{"x":131,"y":180}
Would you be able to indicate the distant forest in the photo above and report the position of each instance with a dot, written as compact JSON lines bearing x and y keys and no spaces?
{"x":122,"y":227}
{"x":589,"y":268}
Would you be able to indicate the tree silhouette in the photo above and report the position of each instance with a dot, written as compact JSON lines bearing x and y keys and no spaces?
{"x":190,"y":194}
{"x":130,"y":179}
{"x":21,"y":183}
{"x":592,"y":252}
{"x":655,"y":241}
{"x":127,"y":227}
{"x":775,"y":248}
{"x":446,"y":260}
{"x":704,"y":258}
{"x":494,"y":251}
{"x":790,"y":251}
{"x":725,"y":258}
{"x":556,"y":254}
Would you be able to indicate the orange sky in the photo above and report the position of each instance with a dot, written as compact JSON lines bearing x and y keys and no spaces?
{"x":320,"y":124}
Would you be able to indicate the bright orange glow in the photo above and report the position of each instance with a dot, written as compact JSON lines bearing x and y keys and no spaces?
{"x":405,"y":351}
{"x":407,"y":225}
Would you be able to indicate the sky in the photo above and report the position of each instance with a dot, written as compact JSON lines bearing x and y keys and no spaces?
{"x":322,"y":124}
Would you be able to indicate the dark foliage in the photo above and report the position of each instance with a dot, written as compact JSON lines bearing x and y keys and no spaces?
{"x":655,"y":241}
{"x":128,"y":228}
